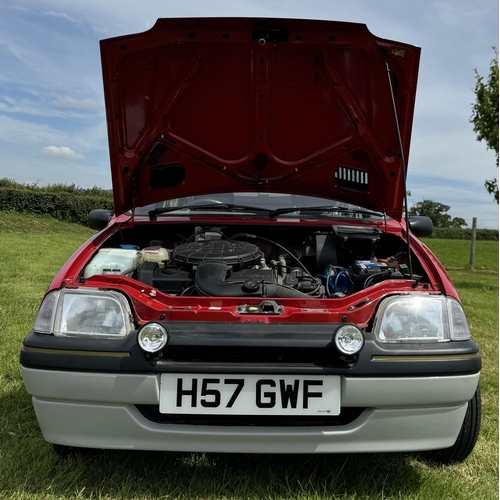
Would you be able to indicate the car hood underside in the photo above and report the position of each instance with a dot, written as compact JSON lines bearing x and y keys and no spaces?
{"x":199,"y":106}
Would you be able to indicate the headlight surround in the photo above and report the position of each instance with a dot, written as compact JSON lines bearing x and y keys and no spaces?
{"x":84,"y":313}
{"x":420,"y":318}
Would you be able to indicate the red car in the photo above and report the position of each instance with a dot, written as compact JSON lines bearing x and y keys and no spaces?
{"x":258,"y":287}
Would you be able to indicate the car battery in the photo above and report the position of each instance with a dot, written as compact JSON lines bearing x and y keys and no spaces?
{"x":361,"y":270}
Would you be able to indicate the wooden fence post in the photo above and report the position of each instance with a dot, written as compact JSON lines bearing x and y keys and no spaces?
{"x":473,"y":243}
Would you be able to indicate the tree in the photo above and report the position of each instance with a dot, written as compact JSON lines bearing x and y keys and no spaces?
{"x":437,"y":212}
{"x":485,"y":115}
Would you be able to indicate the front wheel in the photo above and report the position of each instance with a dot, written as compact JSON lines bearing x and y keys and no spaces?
{"x":467,"y":436}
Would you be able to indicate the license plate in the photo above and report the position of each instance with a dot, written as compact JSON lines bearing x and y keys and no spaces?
{"x":250,"y":394}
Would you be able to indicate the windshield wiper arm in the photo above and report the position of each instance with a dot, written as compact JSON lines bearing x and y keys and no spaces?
{"x":230,"y":207}
{"x":328,"y":208}
{"x":209,"y":206}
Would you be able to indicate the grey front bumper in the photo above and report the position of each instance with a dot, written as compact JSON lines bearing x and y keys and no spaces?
{"x":98,"y":410}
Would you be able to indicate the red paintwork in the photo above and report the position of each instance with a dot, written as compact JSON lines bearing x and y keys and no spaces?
{"x":202,"y":93}
{"x":149,"y":303}
{"x":241,"y":116}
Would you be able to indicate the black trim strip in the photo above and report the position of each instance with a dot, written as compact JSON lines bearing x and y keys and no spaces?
{"x":346,"y":416}
{"x":231,"y":352}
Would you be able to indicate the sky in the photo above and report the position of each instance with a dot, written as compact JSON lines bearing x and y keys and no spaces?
{"x":52,"y":119}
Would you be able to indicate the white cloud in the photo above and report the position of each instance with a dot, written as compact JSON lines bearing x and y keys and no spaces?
{"x":26,"y":134}
{"x":63,"y":152}
{"x":32,"y":107}
{"x":71,"y":102}
{"x":29,"y":137}
{"x":58,"y":61}
{"x":63,"y":15}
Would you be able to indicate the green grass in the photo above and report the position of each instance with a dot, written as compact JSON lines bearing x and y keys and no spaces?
{"x":29,"y":470}
{"x":456,"y":253}
{"x":14,"y":222}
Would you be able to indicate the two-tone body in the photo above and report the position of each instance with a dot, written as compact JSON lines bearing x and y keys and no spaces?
{"x":256,"y":290}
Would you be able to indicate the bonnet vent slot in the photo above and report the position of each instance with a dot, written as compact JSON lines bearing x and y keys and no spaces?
{"x":352,"y":178}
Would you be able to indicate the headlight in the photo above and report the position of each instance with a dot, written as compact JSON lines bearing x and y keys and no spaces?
{"x":84,"y":313}
{"x":421,"y":318}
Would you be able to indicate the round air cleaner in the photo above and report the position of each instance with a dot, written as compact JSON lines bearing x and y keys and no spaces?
{"x":238,"y":254}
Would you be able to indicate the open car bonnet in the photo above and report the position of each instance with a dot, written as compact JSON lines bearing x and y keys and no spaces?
{"x":200,"y":106}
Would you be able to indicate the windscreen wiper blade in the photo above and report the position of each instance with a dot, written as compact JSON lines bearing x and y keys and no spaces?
{"x":230,"y":207}
{"x":322,"y":209}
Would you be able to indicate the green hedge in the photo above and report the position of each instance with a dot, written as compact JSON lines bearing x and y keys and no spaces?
{"x":447,"y":233}
{"x":57,"y":188}
{"x":62,"y":205}
{"x":72,"y":204}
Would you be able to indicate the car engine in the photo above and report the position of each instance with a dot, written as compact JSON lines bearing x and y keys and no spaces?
{"x":322,"y":264}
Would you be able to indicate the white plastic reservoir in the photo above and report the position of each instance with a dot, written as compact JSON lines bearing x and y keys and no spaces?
{"x":113,"y":261}
{"x":154,"y":254}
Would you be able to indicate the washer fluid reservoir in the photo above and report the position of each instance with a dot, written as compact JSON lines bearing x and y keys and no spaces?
{"x":113,"y":261}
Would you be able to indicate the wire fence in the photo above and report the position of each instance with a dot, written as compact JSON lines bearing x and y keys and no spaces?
{"x":483,"y":223}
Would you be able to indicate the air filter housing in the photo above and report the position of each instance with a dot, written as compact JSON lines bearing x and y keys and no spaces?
{"x":238,"y":254}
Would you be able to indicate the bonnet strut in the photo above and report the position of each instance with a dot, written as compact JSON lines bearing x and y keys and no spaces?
{"x":403,"y":165}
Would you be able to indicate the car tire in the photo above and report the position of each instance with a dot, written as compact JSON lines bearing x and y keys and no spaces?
{"x":467,"y":436}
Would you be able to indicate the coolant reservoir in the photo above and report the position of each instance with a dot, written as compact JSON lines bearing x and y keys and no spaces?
{"x":113,"y":261}
{"x":154,"y":254}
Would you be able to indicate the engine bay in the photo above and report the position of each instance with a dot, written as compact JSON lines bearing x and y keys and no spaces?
{"x":285,"y":262}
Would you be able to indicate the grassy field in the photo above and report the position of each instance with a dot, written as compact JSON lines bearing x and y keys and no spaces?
{"x":32,"y":250}
{"x":456,"y":253}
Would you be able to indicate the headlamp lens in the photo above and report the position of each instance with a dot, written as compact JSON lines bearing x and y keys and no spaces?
{"x":349,"y":339}
{"x":84,"y":313}
{"x":421,"y":318}
{"x":152,"y":337}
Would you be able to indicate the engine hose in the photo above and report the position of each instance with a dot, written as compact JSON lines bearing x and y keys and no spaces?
{"x":282,"y":266}
{"x":253,"y":236}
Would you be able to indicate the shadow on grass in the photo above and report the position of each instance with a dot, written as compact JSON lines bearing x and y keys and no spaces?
{"x":472,"y":281}
{"x":475,"y":285}
{"x":34,"y":469}
{"x":177,"y":475}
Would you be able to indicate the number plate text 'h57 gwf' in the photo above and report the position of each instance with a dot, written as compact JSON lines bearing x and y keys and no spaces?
{"x":233,"y":394}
